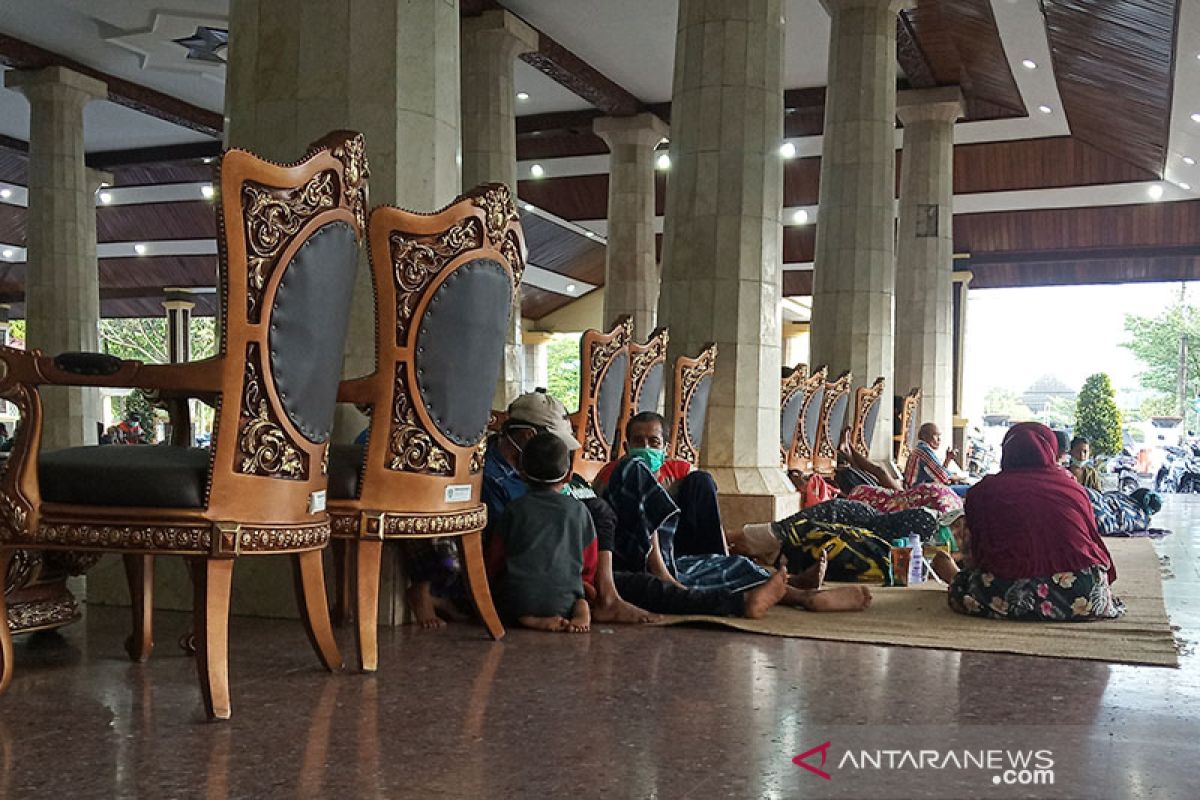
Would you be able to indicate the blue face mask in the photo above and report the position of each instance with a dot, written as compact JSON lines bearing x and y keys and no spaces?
{"x":652,"y":457}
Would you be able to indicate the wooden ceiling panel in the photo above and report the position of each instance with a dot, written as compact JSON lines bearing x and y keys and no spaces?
{"x":537,"y":303}
{"x":152,"y":273}
{"x":574,"y":198}
{"x":564,"y":251}
{"x":156,"y":222}
{"x":1089,"y":271}
{"x":1114,"y":66}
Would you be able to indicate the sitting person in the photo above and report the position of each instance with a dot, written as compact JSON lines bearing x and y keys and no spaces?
{"x":923,"y":465}
{"x":867,"y":482}
{"x":540,"y":541}
{"x":1080,"y":464}
{"x":1032,"y":550}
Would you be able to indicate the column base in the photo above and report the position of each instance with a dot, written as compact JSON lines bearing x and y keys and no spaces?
{"x":753,"y":494}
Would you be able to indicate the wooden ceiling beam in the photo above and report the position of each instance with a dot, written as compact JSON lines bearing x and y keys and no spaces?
{"x":18,"y":54}
{"x":573,"y":73}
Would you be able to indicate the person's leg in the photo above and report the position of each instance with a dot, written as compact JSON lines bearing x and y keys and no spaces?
{"x":611,"y":604}
{"x":664,"y":597}
{"x":699,"y":531}
{"x":433,"y":569}
{"x":842,"y":598}
{"x":644,"y":511}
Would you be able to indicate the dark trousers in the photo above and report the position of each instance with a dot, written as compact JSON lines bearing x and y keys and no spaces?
{"x":660,"y":597}
{"x":699,"y":532}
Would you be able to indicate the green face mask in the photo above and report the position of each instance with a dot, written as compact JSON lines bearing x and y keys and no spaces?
{"x":651,"y":456}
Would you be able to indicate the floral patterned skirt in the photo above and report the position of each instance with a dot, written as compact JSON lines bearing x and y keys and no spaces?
{"x":935,"y":496}
{"x":1077,"y":596}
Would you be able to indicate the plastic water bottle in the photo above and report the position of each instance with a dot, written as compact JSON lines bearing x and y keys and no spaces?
{"x":916,"y":565}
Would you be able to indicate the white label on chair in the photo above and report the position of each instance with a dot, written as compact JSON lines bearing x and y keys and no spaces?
{"x":460,"y":493}
{"x":316,"y":502}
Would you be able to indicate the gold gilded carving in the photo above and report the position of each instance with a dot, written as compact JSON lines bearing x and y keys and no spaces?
{"x":271,"y":217}
{"x":353,"y":155}
{"x":511,"y":250}
{"x":411,"y":448}
{"x":41,"y":614}
{"x":178,"y":538}
{"x":833,"y":393}
{"x":417,"y":259}
{"x":263,"y":447}
{"x":499,"y":209}
{"x":451,"y":524}
{"x":21,"y":569}
{"x":804,"y":448}
{"x":478,"y":456}
{"x":685,"y":447}
{"x":642,"y":361}
{"x":600,"y":357}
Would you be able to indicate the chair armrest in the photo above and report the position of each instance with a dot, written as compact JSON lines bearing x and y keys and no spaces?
{"x":88,"y":363}
{"x":193,"y":378}
{"x":360,"y":391}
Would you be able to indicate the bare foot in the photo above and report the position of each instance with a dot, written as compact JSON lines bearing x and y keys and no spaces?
{"x":763,"y":596}
{"x":581,"y":618}
{"x":842,"y":598}
{"x":944,"y":566}
{"x":620,"y":612}
{"x":813,"y":577}
{"x":424,"y":609}
{"x":553,"y":624}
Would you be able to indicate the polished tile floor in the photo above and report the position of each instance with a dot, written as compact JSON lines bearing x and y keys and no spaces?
{"x":669,"y":713}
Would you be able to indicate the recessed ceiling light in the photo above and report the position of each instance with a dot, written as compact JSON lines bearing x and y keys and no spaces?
{"x":1029,"y":63}
{"x":140,"y":249}
{"x":571,"y":288}
{"x":1186,"y":186}
{"x":1044,"y":109}
{"x":208,"y":159}
{"x":8,"y":253}
{"x":6,"y":193}
{"x":800,"y":217}
{"x":528,"y":206}
{"x":787,"y":150}
{"x":537,"y":171}
{"x":590,"y":234}
{"x":663,"y":161}
{"x":1196,"y":117}
{"x":105,"y":197}
{"x":1189,"y":161}
{"x":208,"y":191}
{"x":1155,"y":191}
{"x":522,"y":95}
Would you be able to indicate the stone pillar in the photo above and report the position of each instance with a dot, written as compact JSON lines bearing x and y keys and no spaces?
{"x":62,"y":282}
{"x":178,"y":306}
{"x":925,"y":250}
{"x":796,"y":337}
{"x":491,"y":43}
{"x":5,"y":323}
{"x":537,"y":359}
{"x":854,"y":278}
{"x":722,"y":266}
{"x":960,"y":295}
{"x":630,"y":269}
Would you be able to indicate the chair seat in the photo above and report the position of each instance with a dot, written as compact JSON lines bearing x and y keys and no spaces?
{"x":345,"y":464}
{"x":145,"y":476}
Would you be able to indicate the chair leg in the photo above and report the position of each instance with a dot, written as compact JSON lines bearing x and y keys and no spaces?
{"x":212,"y":579}
{"x":139,"y":572}
{"x":471,"y":546}
{"x":343,"y":600}
{"x":368,"y":555}
{"x":314,"y":607}
{"x":6,"y":643}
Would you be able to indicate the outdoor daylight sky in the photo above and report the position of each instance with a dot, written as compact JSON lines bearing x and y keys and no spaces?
{"x":1015,"y":336}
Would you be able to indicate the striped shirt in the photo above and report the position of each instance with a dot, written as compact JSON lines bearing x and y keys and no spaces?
{"x":924,"y":467}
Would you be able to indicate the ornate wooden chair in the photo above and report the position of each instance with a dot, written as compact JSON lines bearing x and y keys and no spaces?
{"x":604,"y":365}
{"x":289,"y":238}
{"x":644,"y":384}
{"x":866,"y":416}
{"x":804,"y":442}
{"x":834,"y":403}
{"x":693,"y":384}
{"x":906,"y":426}
{"x":443,"y":284}
{"x":791,"y":398}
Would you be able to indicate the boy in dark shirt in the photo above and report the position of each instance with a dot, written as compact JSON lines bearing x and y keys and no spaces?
{"x":544,"y":535}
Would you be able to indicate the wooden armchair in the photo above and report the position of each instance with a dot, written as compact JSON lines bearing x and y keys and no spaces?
{"x":906,"y":426}
{"x":693,"y":384}
{"x":644,"y":383}
{"x":804,"y":444}
{"x":791,"y":398}
{"x":834,"y":403}
{"x":604,"y":364}
{"x":444,"y":284}
{"x":866,"y":416}
{"x":289,"y":238}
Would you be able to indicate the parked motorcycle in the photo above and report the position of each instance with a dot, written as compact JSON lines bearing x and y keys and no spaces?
{"x":981,"y":458}
{"x":1180,"y":472}
{"x":1124,"y":467}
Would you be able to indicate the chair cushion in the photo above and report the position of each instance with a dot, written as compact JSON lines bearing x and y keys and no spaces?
{"x":345,"y":464}
{"x":149,"y":476}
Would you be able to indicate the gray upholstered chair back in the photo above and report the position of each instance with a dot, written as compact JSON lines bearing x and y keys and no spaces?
{"x":837,"y":418}
{"x":871,"y":421}
{"x":812,"y":418}
{"x":652,"y":389}
{"x":789,"y":416}
{"x":697,"y":414}
{"x":610,"y":394}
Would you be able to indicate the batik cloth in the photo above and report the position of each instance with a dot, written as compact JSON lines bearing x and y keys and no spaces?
{"x":1078,"y":596}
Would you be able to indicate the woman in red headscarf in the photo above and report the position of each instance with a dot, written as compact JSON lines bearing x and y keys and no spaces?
{"x":1032,"y":549}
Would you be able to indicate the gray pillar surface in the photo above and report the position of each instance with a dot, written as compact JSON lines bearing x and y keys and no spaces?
{"x":62,"y":282}
{"x":723,"y":240}
{"x":491,"y":43}
{"x":925,"y":251}
{"x":854,"y":278}
{"x":630,"y":268}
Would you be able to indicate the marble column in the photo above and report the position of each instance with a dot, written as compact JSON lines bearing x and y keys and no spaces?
{"x":960,"y":296}
{"x":854,"y":279}
{"x":722,"y":267}
{"x":491,"y":42}
{"x":537,"y":359}
{"x":925,"y":250}
{"x":630,"y":268}
{"x":62,"y":282}
{"x":178,"y":306}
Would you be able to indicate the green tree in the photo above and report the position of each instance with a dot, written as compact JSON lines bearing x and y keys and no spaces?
{"x":1155,"y":342}
{"x":1000,"y":400}
{"x":1059,"y":412}
{"x":563,"y":369}
{"x":1097,"y":417}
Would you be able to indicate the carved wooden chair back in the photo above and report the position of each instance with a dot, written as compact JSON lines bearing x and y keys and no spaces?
{"x":804,"y":443}
{"x":907,"y":424}
{"x":444,"y":284}
{"x":644,"y":383}
{"x":866,"y":416}
{"x":692,"y":387}
{"x":791,"y":397}
{"x":834,"y":403}
{"x":288,"y":239}
{"x":604,"y":366}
